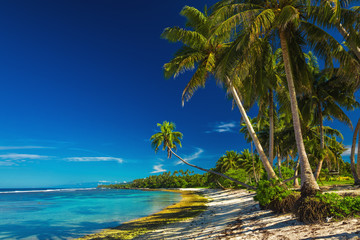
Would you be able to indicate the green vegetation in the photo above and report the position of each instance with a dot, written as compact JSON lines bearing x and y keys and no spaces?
{"x":190,"y":206}
{"x":178,"y":179}
{"x":319,"y":208}
{"x":255,"y":50}
{"x":327,"y":206}
{"x":275,"y":196}
{"x":169,"y":138}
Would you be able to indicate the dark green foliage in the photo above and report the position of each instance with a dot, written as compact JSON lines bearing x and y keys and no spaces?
{"x":327,"y":206}
{"x":285,"y":171}
{"x":215,"y":181}
{"x":246,"y":166}
{"x":181,"y":179}
{"x":269,"y":191}
{"x":341,"y":207}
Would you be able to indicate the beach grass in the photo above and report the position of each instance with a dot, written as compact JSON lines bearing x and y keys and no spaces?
{"x":337,"y":181}
{"x":191,"y":205}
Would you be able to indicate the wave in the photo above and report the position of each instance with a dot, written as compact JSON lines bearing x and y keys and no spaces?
{"x":44,"y":190}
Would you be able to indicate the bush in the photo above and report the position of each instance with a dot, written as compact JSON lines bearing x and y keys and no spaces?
{"x":285,"y":171}
{"x":238,"y":174}
{"x":275,"y":196}
{"x":324,"y":207}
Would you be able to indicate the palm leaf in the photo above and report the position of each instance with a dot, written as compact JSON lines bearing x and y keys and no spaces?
{"x":192,"y":39}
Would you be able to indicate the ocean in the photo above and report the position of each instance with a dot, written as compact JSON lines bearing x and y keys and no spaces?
{"x":46,"y":214}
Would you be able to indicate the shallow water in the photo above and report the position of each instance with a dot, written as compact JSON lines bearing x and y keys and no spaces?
{"x":66,"y":214}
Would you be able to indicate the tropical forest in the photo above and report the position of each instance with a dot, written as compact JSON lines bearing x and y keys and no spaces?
{"x":298,"y":63}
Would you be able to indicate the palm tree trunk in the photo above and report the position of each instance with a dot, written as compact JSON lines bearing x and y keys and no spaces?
{"x":253,"y":162}
{"x":358,"y":158}
{"x":351,"y":44}
{"x":271,"y":122}
{"x":222,"y":187}
{"x":322,"y":144}
{"x":309,"y":185}
{"x":287,"y":161}
{"x":296,"y":180}
{"x":211,"y":171}
{"x":352,"y":155}
{"x":279,"y":162}
{"x":268,"y":168}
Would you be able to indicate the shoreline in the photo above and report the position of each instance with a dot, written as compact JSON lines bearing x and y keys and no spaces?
{"x":190,"y":205}
{"x":224,"y":208}
{"x":233,"y":214}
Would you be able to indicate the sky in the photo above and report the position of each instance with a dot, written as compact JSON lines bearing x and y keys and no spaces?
{"x":82,"y":89}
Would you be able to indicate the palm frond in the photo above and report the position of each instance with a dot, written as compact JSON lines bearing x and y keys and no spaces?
{"x":195,"y":18}
{"x":288,"y":15}
{"x":182,"y":63}
{"x":192,"y":39}
{"x":196,"y":81}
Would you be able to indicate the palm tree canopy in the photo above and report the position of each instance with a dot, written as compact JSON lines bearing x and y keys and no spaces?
{"x":200,"y":49}
{"x":230,"y":160}
{"x":166,"y":137}
{"x":327,"y":94}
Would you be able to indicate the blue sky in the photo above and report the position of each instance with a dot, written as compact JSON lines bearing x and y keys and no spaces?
{"x":82,"y":90}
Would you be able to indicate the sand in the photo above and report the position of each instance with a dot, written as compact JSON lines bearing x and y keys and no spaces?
{"x":233,"y":214}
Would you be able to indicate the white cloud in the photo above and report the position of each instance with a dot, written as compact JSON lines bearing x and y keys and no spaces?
{"x":13,"y":159}
{"x":348,"y":151}
{"x":94,"y":159}
{"x":7,"y":163}
{"x":17,"y":156}
{"x":158,"y":168}
{"x":21,"y":147}
{"x":103,"y":181}
{"x":192,"y":156}
{"x":223,"y":127}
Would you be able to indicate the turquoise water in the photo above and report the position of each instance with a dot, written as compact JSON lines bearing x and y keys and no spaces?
{"x":67,"y":214}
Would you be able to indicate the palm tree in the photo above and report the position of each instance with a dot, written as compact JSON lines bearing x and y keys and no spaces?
{"x":324,"y":100}
{"x":169,"y":139}
{"x":346,"y":21}
{"x":252,"y":164}
{"x":203,"y":50}
{"x":230,"y":160}
{"x":264,"y":76}
{"x":288,"y":22}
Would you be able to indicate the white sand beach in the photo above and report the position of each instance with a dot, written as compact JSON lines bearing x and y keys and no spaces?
{"x":233,"y":214}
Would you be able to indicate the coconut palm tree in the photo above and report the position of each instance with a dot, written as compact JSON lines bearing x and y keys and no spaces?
{"x":288,"y":22}
{"x":230,"y":160}
{"x":325,"y":100}
{"x":251,"y":163}
{"x":201,"y":51}
{"x":169,"y":139}
{"x":264,"y":76}
{"x":336,"y":14}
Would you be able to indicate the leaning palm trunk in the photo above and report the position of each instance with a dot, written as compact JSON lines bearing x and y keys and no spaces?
{"x":253,"y":163}
{"x":271,"y":122}
{"x":268,"y":168}
{"x":352,"y":155}
{"x":358,"y":158}
{"x":318,"y":169}
{"x":211,"y":171}
{"x":346,"y":36}
{"x":309,"y":185}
